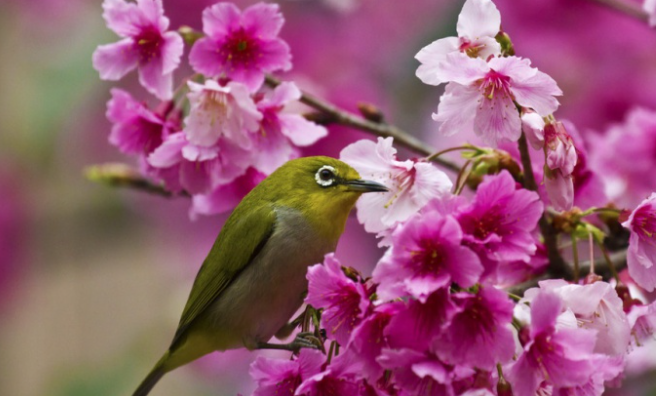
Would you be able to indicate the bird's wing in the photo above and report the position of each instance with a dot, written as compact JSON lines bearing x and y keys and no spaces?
{"x":242,"y":238}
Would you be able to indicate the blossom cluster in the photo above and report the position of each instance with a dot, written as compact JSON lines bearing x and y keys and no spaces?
{"x":436,"y":316}
{"x":235,"y":132}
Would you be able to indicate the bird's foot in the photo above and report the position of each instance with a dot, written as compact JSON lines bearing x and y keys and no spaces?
{"x":302,"y":340}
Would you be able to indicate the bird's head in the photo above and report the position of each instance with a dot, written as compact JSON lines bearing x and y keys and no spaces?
{"x":323,"y":188}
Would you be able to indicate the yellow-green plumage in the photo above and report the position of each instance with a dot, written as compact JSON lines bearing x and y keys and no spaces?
{"x":253,"y":278}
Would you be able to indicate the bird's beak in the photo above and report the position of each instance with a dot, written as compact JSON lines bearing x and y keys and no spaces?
{"x":365,"y":186}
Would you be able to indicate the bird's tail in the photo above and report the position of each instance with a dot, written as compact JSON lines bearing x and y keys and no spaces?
{"x":153,"y":377}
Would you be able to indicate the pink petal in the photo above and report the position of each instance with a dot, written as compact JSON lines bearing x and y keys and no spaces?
{"x":300,"y":131}
{"x":153,"y":11}
{"x":263,"y":20}
{"x":204,"y":59}
{"x":250,"y":77}
{"x":533,"y":127}
{"x":457,"y":109}
{"x":640,"y":260}
{"x":545,"y":308}
{"x":560,"y":190}
{"x":431,"y":58}
{"x":221,"y":19}
{"x":172,"y":48}
{"x":497,"y":120}
{"x":276,"y":55}
{"x":462,"y":69}
{"x":430,"y":182}
{"x":114,"y":61}
{"x":537,"y":92}
{"x":169,"y":153}
{"x":364,"y":156}
{"x":479,"y":18}
{"x":155,"y":81}
{"x":122,"y":17}
{"x":281,"y":95}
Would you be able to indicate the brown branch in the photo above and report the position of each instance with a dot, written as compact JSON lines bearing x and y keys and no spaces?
{"x":121,"y":175}
{"x":377,"y":128}
{"x":557,"y":266}
{"x":628,"y":8}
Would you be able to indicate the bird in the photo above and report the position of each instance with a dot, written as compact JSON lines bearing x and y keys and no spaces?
{"x":254,"y":277}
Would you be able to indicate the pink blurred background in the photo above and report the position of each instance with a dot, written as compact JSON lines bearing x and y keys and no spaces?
{"x":92,"y":279}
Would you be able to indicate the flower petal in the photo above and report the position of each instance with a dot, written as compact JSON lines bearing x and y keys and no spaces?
{"x":479,"y":18}
{"x":263,"y":20}
{"x":457,"y":109}
{"x":114,"y":61}
{"x":221,"y":19}
{"x":432,"y":56}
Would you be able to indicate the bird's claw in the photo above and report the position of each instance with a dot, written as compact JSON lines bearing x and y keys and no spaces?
{"x":302,"y":340}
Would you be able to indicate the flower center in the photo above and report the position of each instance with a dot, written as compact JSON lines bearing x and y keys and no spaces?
{"x":216,"y":107}
{"x":495,"y":83}
{"x":430,"y":257}
{"x":644,"y":222}
{"x":148,"y":44}
{"x":472,"y":50}
{"x":240,"y":49}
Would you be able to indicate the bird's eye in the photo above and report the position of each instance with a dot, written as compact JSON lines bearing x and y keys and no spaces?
{"x":325,"y":176}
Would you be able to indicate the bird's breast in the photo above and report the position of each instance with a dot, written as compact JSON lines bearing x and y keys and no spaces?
{"x":270,"y":289}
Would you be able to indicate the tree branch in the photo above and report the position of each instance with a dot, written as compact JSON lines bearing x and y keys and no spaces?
{"x":121,"y":175}
{"x":628,"y":8}
{"x":377,"y":128}
{"x":557,"y":266}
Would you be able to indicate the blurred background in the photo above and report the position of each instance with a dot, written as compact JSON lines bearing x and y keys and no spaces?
{"x":93,"y":279}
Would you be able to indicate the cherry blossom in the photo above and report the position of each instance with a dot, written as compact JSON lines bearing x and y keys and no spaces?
{"x":282,"y":131}
{"x":277,"y":377}
{"x":482,"y":95}
{"x":561,"y":356}
{"x":479,"y":334}
{"x":218,"y":111}
{"x":642,"y":244}
{"x":241,"y":45}
{"x":146,"y":45}
{"x":426,"y":255}
{"x":478,"y":24}
{"x":499,"y":221}
{"x":412,"y":184}
{"x":345,"y":302}
{"x":136,"y":129}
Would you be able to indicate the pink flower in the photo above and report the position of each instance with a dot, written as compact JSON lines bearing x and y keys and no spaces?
{"x":596,"y":306}
{"x":421,"y":374}
{"x":278,"y":377}
{"x":478,"y":24}
{"x":642,"y":244}
{"x":369,"y":339}
{"x":221,"y":111}
{"x":412,"y":183}
{"x":500,"y":219}
{"x":225,"y":197}
{"x":628,"y":169}
{"x":136,"y":129}
{"x":281,"y":132}
{"x":201,"y":169}
{"x":146,"y":45}
{"x":642,"y":319}
{"x":482,"y":96}
{"x":341,"y":377}
{"x":415,"y":324}
{"x":241,"y":46}
{"x":344,"y":301}
{"x":479,"y":334}
{"x":561,"y":356}
{"x":426,"y":255}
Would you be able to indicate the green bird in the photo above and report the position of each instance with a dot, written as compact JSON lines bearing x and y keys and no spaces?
{"x":253,"y":279}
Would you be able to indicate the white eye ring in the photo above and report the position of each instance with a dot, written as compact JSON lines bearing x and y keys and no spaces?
{"x":321,"y":181}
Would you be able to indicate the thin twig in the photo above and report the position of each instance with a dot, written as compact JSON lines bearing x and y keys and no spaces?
{"x":121,"y":175}
{"x":628,"y":8}
{"x":379,"y":129}
{"x":557,"y":266}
